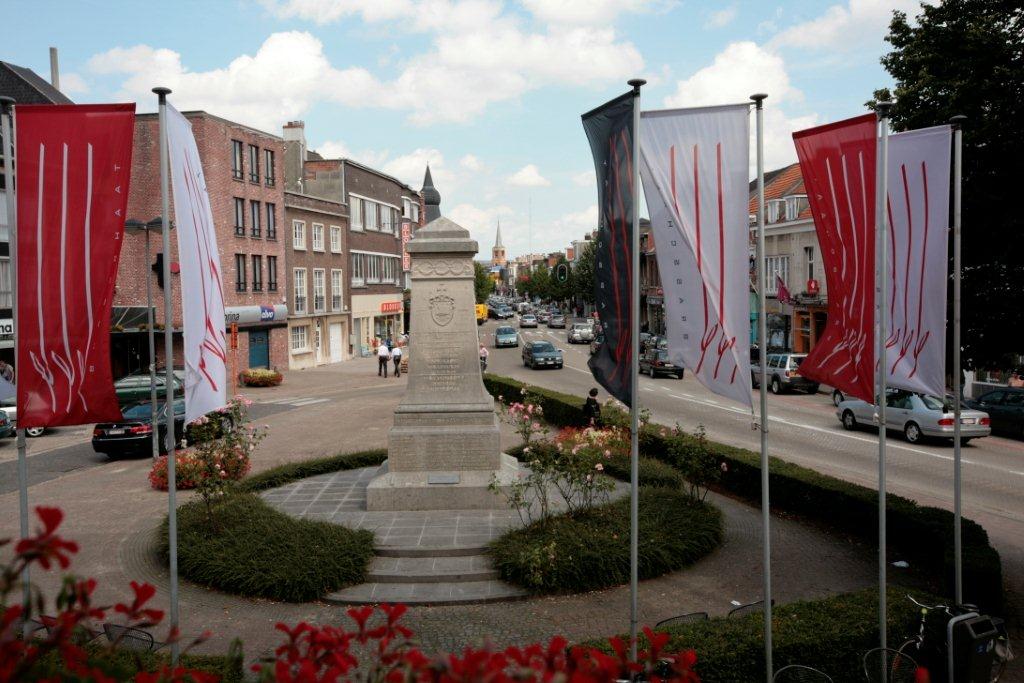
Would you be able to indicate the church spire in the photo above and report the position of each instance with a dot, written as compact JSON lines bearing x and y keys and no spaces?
{"x":497,"y":237}
{"x":431,"y":198}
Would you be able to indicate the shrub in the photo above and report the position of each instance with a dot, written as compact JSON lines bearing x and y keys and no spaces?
{"x":190,"y":468}
{"x":590,"y":550}
{"x":258,"y":377}
{"x":257,"y":551}
{"x":921,"y":533}
{"x":293,"y":471}
{"x":652,"y":473}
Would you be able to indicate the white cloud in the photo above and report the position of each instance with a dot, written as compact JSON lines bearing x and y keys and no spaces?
{"x":471,"y":163}
{"x":327,"y":11}
{"x":584,"y":178}
{"x":572,"y":226}
{"x":590,"y":11}
{"x":409,"y":168}
{"x":336,"y":149}
{"x":482,"y":223}
{"x":73,"y":84}
{"x":528,"y":176}
{"x":722,"y":17}
{"x":845,"y":27}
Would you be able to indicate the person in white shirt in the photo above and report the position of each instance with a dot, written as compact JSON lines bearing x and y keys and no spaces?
{"x":396,"y":355}
{"x":383,"y":356}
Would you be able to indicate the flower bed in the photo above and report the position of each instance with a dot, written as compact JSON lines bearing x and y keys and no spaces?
{"x":190,"y":469}
{"x":259,"y":377}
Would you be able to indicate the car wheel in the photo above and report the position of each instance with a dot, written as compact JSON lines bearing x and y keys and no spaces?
{"x":776,"y":386}
{"x":35,"y":431}
{"x":965,"y":441}
{"x":813,"y":389}
{"x":679,"y":376}
{"x":912,"y":432}
{"x":849,"y":421}
{"x":837,"y":397}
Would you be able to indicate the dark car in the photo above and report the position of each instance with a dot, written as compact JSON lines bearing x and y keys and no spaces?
{"x":556,"y":320}
{"x":655,"y":362}
{"x":541,"y":354}
{"x":135,"y":387}
{"x":595,"y":345}
{"x":1005,"y":408}
{"x":6,"y":426}
{"x":133,"y":434}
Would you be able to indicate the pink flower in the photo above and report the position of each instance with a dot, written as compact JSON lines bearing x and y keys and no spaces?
{"x":599,"y":467}
{"x":607,"y":453}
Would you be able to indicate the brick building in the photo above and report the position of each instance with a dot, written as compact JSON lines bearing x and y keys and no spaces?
{"x":379,"y":207}
{"x":244,"y":173}
{"x":319,"y":302}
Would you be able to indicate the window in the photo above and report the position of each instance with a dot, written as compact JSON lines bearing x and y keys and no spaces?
{"x":371,"y":216}
{"x":6,"y":298}
{"x":257,"y":273}
{"x":415,"y":212}
{"x":254,"y":217}
{"x":254,"y":164}
{"x":358,"y":270}
{"x":268,"y":166}
{"x":271,"y":273}
{"x":271,"y":221}
{"x":357,"y":213}
{"x":236,"y":159}
{"x":775,"y":208}
{"x":300,"y":338}
{"x":809,"y":260}
{"x":337,"y":293}
{"x":372,"y":268}
{"x":299,"y":235}
{"x":794,"y":205}
{"x":299,"y":279}
{"x":775,"y":266}
{"x":336,"y":239}
{"x":239,"y":216}
{"x":318,"y":237}
{"x":240,"y":284}
{"x":387,"y":221}
{"x":319,"y":293}
{"x":406,"y":208}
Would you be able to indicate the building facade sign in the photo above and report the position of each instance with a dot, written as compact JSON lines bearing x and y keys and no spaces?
{"x":406,"y":236}
{"x":391,"y":307}
{"x":255,"y":314}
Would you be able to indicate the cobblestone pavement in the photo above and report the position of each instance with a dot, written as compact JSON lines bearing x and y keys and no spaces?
{"x":113,"y":513}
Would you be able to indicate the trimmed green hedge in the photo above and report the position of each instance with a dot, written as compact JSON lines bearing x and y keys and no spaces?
{"x":590,"y":550}
{"x":293,"y":471}
{"x":653,"y":472}
{"x":831,"y":634}
{"x":257,"y":551}
{"x":923,"y":534}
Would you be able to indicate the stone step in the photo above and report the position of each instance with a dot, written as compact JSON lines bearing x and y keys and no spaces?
{"x":459,"y":569}
{"x":429,"y":550}
{"x":426,"y":593}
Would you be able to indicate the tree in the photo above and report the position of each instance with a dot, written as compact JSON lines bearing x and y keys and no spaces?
{"x":583,"y":273}
{"x":539,"y":283}
{"x":967,"y":57}
{"x":483,"y":285}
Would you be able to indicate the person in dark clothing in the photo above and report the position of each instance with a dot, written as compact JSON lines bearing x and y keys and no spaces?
{"x":592,"y":409}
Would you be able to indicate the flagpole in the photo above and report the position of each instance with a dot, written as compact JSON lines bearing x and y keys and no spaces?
{"x":957,"y":123}
{"x":634,"y":382}
{"x":881,"y":187}
{"x":172,"y":507}
{"x":762,"y":335}
{"x":7,"y":132}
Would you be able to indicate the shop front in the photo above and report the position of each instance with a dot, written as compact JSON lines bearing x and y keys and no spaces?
{"x":257,"y":336}
{"x":808,"y":326}
{"x":375,"y":317}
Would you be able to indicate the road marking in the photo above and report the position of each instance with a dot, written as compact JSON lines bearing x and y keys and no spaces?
{"x":297,"y":402}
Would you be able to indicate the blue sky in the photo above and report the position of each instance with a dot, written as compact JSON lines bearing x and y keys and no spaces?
{"x":488,"y":92}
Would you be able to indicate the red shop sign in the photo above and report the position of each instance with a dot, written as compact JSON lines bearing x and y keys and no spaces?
{"x":391,"y":307}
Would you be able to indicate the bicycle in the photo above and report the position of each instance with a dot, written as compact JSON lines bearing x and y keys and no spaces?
{"x":929,"y":645}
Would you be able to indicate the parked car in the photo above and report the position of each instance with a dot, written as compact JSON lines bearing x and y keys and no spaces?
{"x":505,"y":336}
{"x":556,"y":320}
{"x":10,"y":408}
{"x":541,"y":354}
{"x":916,"y":415}
{"x":135,"y":387}
{"x":595,"y":345}
{"x":1005,"y":408}
{"x":581,"y":333}
{"x":133,"y":434}
{"x":6,"y":426}
{"x":528,"y":320}
{"x":837,"y":397}
{"x":784,"y":373}
{"x":655,"y":362}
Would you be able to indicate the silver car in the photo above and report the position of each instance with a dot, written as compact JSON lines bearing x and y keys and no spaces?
{"x":916,"y":415}
{"x":581,"y":333}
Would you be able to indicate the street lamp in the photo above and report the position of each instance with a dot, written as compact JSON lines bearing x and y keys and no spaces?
{"x":134,"y":226}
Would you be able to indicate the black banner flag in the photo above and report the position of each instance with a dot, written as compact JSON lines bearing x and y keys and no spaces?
{"x":610,"y":131}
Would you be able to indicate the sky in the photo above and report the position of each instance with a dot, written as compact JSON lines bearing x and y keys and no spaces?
{"x":488,"y":92}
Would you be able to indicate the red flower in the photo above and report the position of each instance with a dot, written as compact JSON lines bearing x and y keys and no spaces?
{"x":137,"y":612}
{"x":46,"y":546}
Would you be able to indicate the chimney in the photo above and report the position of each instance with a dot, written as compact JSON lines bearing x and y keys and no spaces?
{"x":54,"y":69}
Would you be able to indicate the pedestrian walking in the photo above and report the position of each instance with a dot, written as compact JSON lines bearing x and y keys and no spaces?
{"x":6,"y":371}
{"x":383,"y":356}
{"x":592,"y":409}
{"x":396,"y":355}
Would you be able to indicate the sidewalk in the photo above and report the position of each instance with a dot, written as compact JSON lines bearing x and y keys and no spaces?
{"x":113,"y":514}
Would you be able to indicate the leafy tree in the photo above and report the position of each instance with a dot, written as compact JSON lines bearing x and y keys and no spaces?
{"x":583,"y":273}
{"x":539,"y":283}
{"x":967,"y":57}
{"x":483,"y":284}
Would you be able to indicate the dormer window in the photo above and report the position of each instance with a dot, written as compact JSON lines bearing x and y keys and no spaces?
{"x":775,"y":210}
{"x":794,"y":205}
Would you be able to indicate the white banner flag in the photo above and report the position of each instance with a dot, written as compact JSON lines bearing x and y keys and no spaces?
{"x":694,"y":171}
{"x":202,"y":294}
{"x":918,"y":211}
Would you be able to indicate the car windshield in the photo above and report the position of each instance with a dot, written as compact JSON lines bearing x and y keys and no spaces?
{"x":543,"y":347}
{"x":662,"y":355}
{"x":505,"y":330}
{"x":140,"y":411}
{"x":935,"y":403}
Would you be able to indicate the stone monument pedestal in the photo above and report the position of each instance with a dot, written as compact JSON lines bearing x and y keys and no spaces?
{"x":444,"y":449}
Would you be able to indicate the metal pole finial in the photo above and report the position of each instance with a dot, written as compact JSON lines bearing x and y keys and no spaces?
{"x":883,"y":108}
{"x":635,"y":83}
{"x":6,"y":102}
{"x":162,"y":93}
{"x":759,"y":99}
{"x":958,"y":121}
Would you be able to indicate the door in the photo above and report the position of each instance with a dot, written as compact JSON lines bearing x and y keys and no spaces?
{"x":335,"y":332}
{"x":318,"y":343}
{"x":259,"y":349}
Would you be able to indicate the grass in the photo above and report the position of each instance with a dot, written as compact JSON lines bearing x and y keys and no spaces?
{"x":587,"y":551}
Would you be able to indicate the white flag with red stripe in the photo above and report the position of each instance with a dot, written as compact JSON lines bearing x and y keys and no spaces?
{"x":694,"y":170}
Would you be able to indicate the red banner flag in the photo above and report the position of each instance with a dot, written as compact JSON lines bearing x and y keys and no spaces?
{"x":783,"y":295}
{"x":74,"y":164}
{"x":838,"y":166}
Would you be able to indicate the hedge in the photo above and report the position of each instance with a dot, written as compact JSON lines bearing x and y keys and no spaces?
{"x":653,"y":472}
{"x":293,"y":471}
{"x":590,"y":550}
{"x":922,"y":534}
{"x":831,"y":634}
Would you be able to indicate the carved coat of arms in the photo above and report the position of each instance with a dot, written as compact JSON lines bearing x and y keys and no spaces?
{"x":442,"y":308}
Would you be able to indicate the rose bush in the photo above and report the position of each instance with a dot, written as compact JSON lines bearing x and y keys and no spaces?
{"x":259,"y":377}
